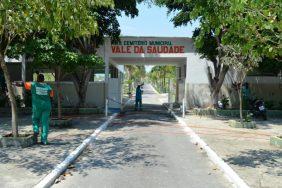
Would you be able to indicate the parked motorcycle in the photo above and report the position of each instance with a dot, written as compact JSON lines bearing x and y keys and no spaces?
{"x":258,"y":109}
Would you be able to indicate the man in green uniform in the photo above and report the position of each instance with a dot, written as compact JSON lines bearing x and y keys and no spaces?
{"x":41,"y":106}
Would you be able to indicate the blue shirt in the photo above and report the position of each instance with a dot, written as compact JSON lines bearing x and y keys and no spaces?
{"x":138,"y":93}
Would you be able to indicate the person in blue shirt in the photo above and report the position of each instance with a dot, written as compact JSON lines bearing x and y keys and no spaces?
{"x":138,"y":97}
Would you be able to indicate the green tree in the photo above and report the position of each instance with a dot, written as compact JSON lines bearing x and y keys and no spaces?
{"x":57,"y":57}
{"x":242,"y":63}
{"x":129,"y":77}
{"x":134,"y":74}
{"x":252,"y":26}
{"x":255,"y":26}
{"x":208,"y":37}
{"x":160,"y":76}
{"x":268,"y":66}
{"x":18,"y":19}
{"x":108,"y":26}
{"x":260,"y":39}
{"x":46,"y":54}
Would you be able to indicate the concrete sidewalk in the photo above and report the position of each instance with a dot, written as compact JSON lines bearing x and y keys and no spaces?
{"x":25,"y":167}
{"x":247,"y":151}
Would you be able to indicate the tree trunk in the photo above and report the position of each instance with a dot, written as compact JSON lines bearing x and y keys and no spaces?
{"x":11,"y":95}
{"x":242,"y":78}
{"x":59,"y":93}
{"x":241,"y":104}
{"x":165,"y":88}
{"x":215,"y":98}
{"x":219,"y":73}
{"x":130,"y":81}
{"x":130,"y":86}
{"x":216,"y":84}
{"x":82,"y":96}
{"x":81,"y":86}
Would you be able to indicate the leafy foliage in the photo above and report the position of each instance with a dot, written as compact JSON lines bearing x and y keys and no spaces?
{"x":20,"y":19}
{"x":234,"y":57}
{"x":24,"y":17}
{"x":209,"y":47}
{"x":48,"y":54}
{"x":135,"y":73}
{"x":107,"y":24}
{"x":209,"y":13}
{"x":208,"y":37}
{"x":268,"y":66}
{"x":160,"y":76}
{"x":255,"y":26}
{"x":242,"y":63}
{"x":225,"y":102}
{"x":252,"y":27}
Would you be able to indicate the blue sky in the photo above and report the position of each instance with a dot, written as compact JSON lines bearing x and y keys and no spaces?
{"x":153,"y":21}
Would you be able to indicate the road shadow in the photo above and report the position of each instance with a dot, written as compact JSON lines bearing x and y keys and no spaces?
{"x":148,"y":111}
{"x":40,"y":159}
{"x":117,"y":152}
{"x":152,"y":115}
{"x":89,"y":122}
{"x":112,"y":152}
{"x":5,"y":124}
{"x":255,"y":158}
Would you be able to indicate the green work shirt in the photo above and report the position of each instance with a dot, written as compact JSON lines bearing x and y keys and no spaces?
{"x":41,"y":95}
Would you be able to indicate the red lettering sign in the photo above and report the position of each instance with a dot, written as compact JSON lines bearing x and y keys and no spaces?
{"x":121,"y":49}
{"x":149,"y":49}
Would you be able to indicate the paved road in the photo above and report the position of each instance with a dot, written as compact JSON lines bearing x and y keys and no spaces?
{"x":143,"y":149}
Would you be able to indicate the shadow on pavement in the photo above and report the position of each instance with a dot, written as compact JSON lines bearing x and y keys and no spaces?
{"x":151,"y":115}
{"x":116,"y":152}
{"x":40,"y":159}
{"x":255,"y":158}
{"x":113,"y":152}
{"x":116,"y":149}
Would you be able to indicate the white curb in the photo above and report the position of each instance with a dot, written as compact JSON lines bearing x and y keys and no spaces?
{"x":48,"y":180}
{"x":231,"y":175}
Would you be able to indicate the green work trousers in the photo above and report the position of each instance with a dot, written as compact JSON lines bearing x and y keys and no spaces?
{"x":41,"y":114}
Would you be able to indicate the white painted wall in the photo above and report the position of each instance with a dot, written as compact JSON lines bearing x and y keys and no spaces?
{"x":94,"y":96}
{"x":197,"y":69}
{"x":115,"y":92}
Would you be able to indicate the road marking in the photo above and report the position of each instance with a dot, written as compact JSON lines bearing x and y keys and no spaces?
{"x":228,"y":172}
{"x":48,"y":180}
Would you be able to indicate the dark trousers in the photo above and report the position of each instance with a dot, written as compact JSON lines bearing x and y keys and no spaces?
{"x":138,"y":104}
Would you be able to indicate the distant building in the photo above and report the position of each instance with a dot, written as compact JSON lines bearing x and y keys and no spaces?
{"x":192,"y":79}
